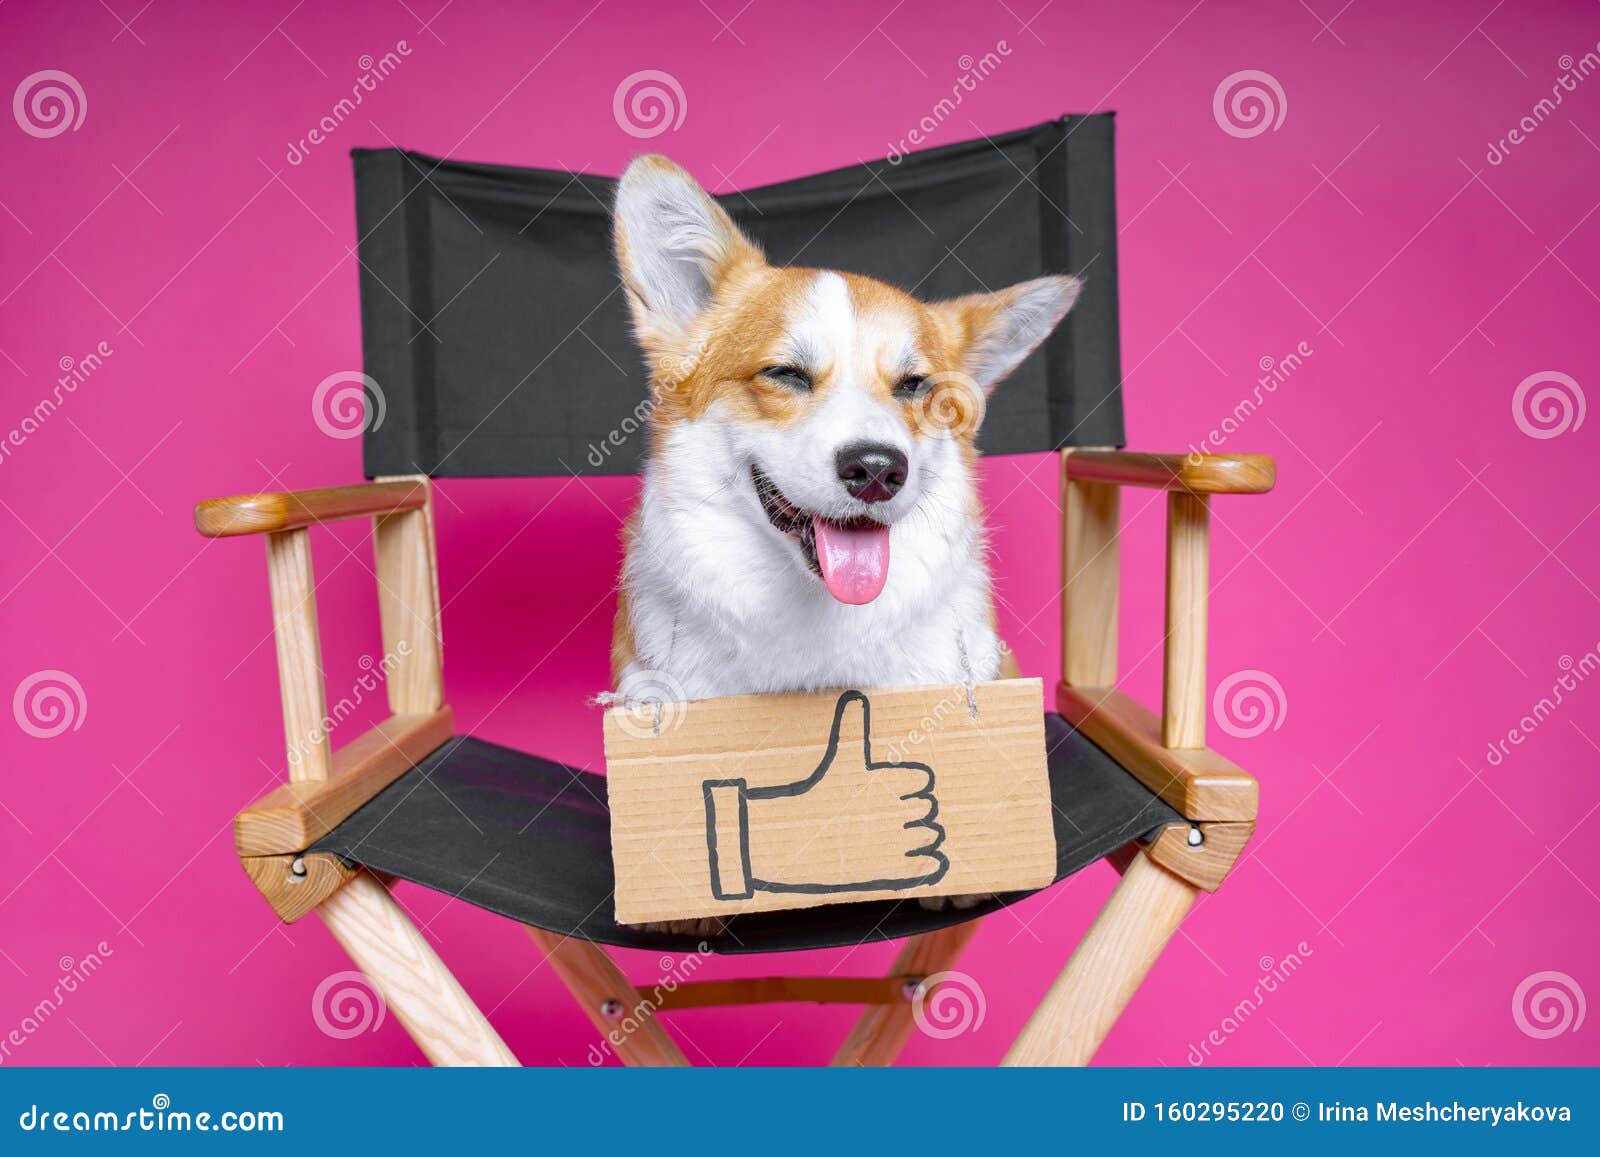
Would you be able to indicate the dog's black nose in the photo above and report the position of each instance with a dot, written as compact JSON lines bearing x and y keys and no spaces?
{"x":870,"y":471}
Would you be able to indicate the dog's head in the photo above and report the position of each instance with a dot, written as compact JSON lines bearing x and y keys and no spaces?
{"x":822,"y":409}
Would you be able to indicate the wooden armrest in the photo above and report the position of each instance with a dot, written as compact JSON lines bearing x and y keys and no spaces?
{"x":290,"y":509}
{"x":297,"y":815}
{"x":1195,"y":473}
{"x":1198,"y":783}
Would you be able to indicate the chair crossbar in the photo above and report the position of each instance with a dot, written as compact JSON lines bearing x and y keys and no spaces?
{"x":789,"y":989}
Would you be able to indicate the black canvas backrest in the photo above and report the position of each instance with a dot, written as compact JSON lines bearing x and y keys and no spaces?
{"x":494,"y":324}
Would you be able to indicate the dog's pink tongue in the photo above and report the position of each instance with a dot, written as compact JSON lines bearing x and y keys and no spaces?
{"x":854,"y":561}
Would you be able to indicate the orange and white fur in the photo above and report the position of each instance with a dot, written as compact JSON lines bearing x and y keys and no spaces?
{"x":809,"y":514}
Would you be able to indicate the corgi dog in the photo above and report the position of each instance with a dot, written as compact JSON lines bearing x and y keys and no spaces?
{"x":808,"y":515}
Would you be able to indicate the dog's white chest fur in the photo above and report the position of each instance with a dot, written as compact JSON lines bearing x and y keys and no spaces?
{"x":722,"y":604}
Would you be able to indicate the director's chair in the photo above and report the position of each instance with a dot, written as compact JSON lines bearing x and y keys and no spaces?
{"x":520,"y":377}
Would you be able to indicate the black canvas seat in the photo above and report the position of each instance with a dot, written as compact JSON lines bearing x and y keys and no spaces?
{"x":531,"y":839}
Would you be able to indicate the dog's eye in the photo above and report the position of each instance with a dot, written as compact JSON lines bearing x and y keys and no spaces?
{"x":791,"y":376}
{"x":910,"y":386}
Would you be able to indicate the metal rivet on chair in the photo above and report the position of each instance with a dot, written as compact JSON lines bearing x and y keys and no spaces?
{"x":910,"y":987}
{"x":298,"y":869}
{"x":1196,"y":837}
{"x":612,"y":1010}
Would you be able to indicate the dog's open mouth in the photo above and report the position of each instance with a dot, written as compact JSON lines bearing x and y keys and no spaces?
{"x":851,"y":558}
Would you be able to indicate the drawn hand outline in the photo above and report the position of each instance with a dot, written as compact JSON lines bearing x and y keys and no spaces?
{"x":729,"y":805}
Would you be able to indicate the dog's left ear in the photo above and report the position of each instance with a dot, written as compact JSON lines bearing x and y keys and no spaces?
{"x":675,"y":246}
{"x":995,"y":331}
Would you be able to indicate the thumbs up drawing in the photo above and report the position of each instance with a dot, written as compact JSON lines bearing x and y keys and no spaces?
{"x":852,"y":825}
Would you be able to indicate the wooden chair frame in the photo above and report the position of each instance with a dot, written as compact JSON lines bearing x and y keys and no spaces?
{"x":1160,"y":880}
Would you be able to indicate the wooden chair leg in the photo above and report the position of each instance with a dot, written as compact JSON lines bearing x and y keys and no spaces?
{"x":1106,"y":969}
{"x":883,"y":1029}
{"x":599,"y":987}
{"x":414,"y":983}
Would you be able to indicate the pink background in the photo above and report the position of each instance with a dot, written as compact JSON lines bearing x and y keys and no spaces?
{"x":1415,"y":585}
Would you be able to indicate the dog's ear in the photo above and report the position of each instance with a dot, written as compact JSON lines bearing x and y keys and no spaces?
{"x":675,"y":245}
{"x":995,"y":331}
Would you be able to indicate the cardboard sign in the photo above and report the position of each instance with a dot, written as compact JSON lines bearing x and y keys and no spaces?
{"x":761,"y":802}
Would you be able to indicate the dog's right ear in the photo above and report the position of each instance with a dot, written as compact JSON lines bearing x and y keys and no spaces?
{"x":675,"y":245}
